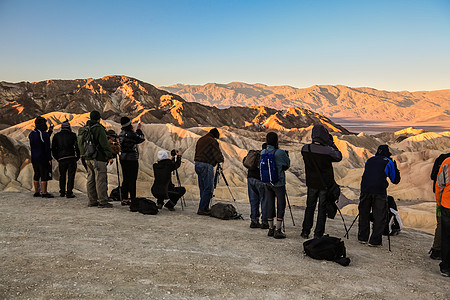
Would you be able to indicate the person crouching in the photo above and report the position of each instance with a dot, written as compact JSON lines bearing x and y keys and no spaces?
{"x":163,"y":188}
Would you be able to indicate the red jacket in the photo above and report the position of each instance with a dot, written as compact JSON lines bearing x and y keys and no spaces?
{"x":443,"y":184}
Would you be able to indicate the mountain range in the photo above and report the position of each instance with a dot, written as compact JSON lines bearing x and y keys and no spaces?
{"x":116,"y":96}
{"x":338,"y":101}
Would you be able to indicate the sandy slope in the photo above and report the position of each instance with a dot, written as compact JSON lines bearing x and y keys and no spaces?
{"x":60,"y":249}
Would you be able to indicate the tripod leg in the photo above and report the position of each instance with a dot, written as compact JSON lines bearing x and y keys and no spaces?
{"x":345,"y":226}
{"x":348,"y":230}
{"x":387,"y":220}
{"x":290,"y":209}
{"x":118,"y":178}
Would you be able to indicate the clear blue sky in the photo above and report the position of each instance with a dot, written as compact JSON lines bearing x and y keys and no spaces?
{"x":391,"y":45}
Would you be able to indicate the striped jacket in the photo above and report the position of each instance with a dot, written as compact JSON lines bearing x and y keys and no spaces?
{"x":443,"y":185}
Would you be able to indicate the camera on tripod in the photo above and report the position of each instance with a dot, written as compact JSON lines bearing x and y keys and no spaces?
{"x":174,"y":152}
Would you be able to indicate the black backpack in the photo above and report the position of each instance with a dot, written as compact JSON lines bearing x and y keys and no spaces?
{"x":327,"y":248}
{"x":146,"y":206}
{"x":252,"y":160}
{"x":224,"y":211}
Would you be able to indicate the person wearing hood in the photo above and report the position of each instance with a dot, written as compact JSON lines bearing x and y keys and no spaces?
{"x":129,"y":157}
{"x":373,"y":196}
{"x":207,"y":156}
{"x":318,"y":157}
{"x":65,"y":150}
{"x":41,"y":157}
{"x":276,"y":189}
{"x":97,"y":179}
{"x":163,"y":188}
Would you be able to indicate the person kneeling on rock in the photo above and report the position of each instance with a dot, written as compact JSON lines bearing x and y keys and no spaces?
{"x":163,"y":188}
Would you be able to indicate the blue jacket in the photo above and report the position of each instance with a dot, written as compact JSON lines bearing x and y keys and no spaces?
{"x":282,"y":163}
{"x":40,"y":146}
{"x":374,"y":180}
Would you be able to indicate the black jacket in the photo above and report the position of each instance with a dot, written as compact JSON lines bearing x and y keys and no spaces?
{"x":436,"y":166}
{"x":128,"y":144}
{"x":163,"y":177}
{"x":318,"y":157}
{"x":65,"y":145}
{"x":378,"y":168}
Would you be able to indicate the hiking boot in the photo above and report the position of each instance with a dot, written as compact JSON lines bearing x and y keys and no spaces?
{"x":125,"y":202}
{"x":37,"y":194}
{"x":445,"y":273}
{"x":435,"y":254}
{"x":105,"y":205}
{"x":93,"y":204}
{"x":169,"y":205}
{"x":47,"y":195}
{"x":254,"y":224}
{"x":375,"y":245}
{"x":362,"y":242}
{"x":71,"y":195}
{"x":203,"y":212}
{"x":264,"y":226}
{"x":304,"y":235}
{"x":160,"y":205}
{"x":278,"y":234}
{"x":271,"y":232}
{"x":62,"y":194}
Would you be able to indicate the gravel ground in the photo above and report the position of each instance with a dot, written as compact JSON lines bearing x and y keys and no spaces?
{"x":61,"y":249}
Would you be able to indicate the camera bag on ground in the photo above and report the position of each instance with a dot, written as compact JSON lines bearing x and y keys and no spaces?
{"x":115,"y":194}
{"x":327,"y":248}
{"x":252,"y":160}
{"x":145,"y":206}
{"x":224,"y":211}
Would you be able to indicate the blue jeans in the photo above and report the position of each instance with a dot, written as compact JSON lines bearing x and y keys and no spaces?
{"x":205,"y":173}
{"x":256,"y":198}
{"x":311,"y":202}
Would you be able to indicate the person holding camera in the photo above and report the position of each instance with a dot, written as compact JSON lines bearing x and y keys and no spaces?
{"x":41,"y":156}
{"x":163,"y":188}
{"x":129,"y":156}
{"x":374,"y":195}
{"x":65,"y":150}
{"x":318,"y":157}
{"x":207,"y":155}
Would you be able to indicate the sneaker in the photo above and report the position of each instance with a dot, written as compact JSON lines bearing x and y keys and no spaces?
{"x":93,"y":204}
{"x":47,"y":195}
{"x":254,"y":224}
{"x":304,"y":235}
{"x":445,"y":273}
{"x":71,"y":195}
{"x":125,"y":202}
{"x":203,"y":212}
{"x":435,"y":254}
{"x":159,"y":205}
{"x":105,"y":205}
{"x":278,"y":234}
{"x":362,"y":242}
{"x":271,"y":232}
{"x":37,"y":194}
{"x":264,"y":226}
{"x":62,"y":194}
{"x":375,"y":245}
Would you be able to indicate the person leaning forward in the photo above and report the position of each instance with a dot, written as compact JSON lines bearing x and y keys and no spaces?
{"x":97,"y":180}
{"x":207,"y":155}
{"x":374,"y":195}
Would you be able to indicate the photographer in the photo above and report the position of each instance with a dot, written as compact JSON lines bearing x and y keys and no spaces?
{"x":163,"y":188}
{"x":207,"y":155}
{"x":318,"y":157}
{"x":374,"y":195}
{"x":129,"y":156}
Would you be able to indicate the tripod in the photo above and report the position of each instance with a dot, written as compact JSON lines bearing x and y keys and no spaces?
{"x":183,"y":201}
{"x":289,"y":205}
{"x":219,"y":172}
{"x":118,"y":178}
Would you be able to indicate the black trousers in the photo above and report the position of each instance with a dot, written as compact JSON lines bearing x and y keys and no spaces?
{"x":311,"y":202}
{"x":445,"y":239}
{"x":130,"y":170}
{"x":174,"y":196}
{"x":270,"y":192}
{"x":378,"y":205}
{"x":67,"y":168}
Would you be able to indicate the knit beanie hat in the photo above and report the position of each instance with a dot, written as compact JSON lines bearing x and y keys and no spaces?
{"x":383,"y":150}
{"x":125,"y":122}
{"x":65,"y":125}
{"x":162,"y":155}
{"x":41,"y":123}
{"x":272,"y":139}
{"x":111,"y":133}
{"x":95,"y":115}
{"x":215,"y":133}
